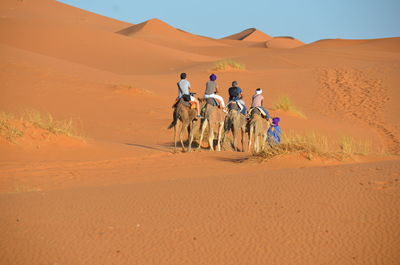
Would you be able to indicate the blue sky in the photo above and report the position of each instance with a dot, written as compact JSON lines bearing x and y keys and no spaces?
{"x":307,"y":20}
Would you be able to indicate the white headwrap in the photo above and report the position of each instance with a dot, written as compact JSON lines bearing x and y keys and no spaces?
{"x":258,"y":92}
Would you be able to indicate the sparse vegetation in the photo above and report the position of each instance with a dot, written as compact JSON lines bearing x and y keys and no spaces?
{"x":7,"y":129}
{"x":13,"y":127}
{"x":285,"y":104}
{"x":349,"y":146}
{"x":228,"y":64}
{"x":24,"y":189}
{"x":48,"y":123}
{"x":313,"y":144}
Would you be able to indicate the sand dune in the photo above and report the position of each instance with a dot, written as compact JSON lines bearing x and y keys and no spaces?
{"x":53,"y":11}
{"x":387,"y":44}
{"x":122,"y":195}
{"x":283,"y":43}
{"x":157,"y":31}
{"x":250,"y":34}
{"x":72,"y":43}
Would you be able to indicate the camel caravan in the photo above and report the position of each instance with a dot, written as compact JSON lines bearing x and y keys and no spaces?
{"x":220,"y":119}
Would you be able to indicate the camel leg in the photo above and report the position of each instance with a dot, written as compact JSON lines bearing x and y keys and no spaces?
{"x":221,"y":126}
{"x":181,"y":134}
{"x":264,"y":141}
{"x":255,"y":143}
{"x":211,"y":137}
{"x":190,"y":132}
{"x":243,"y":132}
{"x":223,"y":137}
{"x":175,"y":131}
{"x":203,"y":128}
{"x":234,"y":135}
{"x":225,"y":130}
{"x":250,"y":136}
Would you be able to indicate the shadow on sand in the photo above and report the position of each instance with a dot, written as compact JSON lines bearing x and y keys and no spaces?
{"x":161,"y":149}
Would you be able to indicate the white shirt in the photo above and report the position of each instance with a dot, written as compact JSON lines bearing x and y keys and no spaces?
{"x":184,"y":85}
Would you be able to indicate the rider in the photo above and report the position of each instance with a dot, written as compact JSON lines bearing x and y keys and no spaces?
{"x":258,"y":100}
{"x":184,"y":89}
{"x":212,"y":90}
{"x":235,"y":94}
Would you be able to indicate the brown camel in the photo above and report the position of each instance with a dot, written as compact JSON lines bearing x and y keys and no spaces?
{"x":184,"y":114}
{"x":214,"y":118}
{"x":234,"y":122}
{"x":258,"y":128}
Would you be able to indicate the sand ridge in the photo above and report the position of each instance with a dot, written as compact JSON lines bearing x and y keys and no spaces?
{"x":251,"y":34}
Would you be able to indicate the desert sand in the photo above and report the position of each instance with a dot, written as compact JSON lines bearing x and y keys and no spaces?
{"x":118,"y":194}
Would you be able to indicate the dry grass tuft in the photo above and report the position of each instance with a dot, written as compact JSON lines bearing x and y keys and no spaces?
{"x":228,"y":64}
{"x":312,"y":145}
{"x":285,"y":104}
{"x":7,"y":129}
{"x":349,"y":147}
{"x":48,"y":123}
{"x":13,"y":127}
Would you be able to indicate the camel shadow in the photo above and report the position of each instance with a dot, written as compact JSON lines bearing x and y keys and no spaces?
{"x":232,"y":160}
{"x":148,"y":147}
{"x":195,"y":144}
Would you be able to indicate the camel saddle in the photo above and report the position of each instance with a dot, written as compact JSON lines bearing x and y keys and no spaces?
{"x":212,"y":101}
{"x":184,"y":103}
{"x":234,"y":105}
{"x":262,"y":112}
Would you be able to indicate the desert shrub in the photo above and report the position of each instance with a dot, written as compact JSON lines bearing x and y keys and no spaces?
{"x":228,"y":64}
{"x":12,"y":127}
{"x":312,"y":144}
{"x":308,"y":144}
{"x":48,"y":123}
{"x":349,"y":147}
{"x":7,"y":129}
{"x":285,"y":104}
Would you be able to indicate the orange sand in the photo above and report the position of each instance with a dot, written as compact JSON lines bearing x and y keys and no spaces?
{"x":121,"y":196}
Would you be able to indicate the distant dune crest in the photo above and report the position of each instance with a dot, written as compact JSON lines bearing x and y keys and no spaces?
{"x":251,"y":34}
{"x":152,"y":26}
{"x":283,"y":43}
{"x":385,"y":44}
{"x":160,"y":32}
{"x":260,"y":39}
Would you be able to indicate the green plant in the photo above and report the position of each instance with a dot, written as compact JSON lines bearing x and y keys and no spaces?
{"x":228,"y":64}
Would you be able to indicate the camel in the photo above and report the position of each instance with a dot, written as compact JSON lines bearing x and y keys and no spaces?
{"x":187,"y":117}
{"x":213,"y":117}
{"x":234,"y":122}
{"x":258,"y":128}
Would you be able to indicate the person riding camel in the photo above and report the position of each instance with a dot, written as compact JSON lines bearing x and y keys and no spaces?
{"x":235,"y":94}
{"x":257,"y":102}
{"x":212,"y":90}
{"x":184,"y":93}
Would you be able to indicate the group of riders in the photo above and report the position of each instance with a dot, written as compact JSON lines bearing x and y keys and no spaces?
{"x":235,"y":97}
